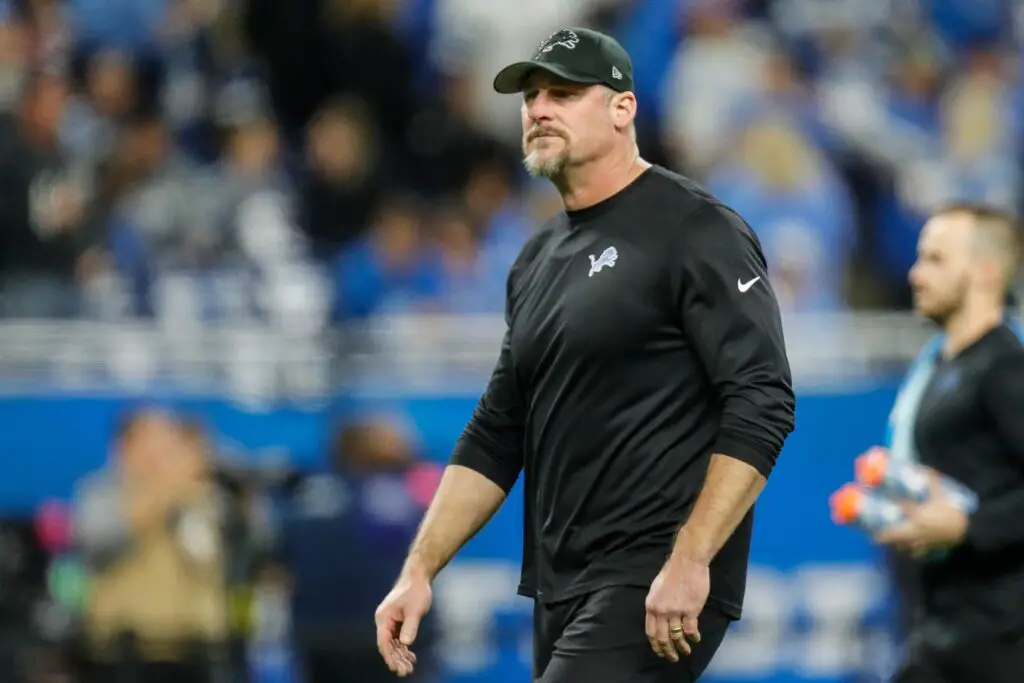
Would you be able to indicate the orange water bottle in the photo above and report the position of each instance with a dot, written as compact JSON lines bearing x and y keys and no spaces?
{"x":868,"y":510}
{"x":907,"y":481}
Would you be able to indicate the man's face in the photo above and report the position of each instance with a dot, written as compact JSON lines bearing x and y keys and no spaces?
{"x":154,"y":442}
{"x":564,"y":124}
{"x":942,"y":274}
{"x":338,"y":146}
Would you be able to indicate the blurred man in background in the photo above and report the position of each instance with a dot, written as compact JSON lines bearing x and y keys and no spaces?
{"x":964,"y":420}
{"x":344,"y":537}
{"x":385,"y":270}
{"x":148,"y":530}
{"x":345,"y":179}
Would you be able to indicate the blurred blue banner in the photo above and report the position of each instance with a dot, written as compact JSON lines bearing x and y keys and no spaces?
{"x":816,"y":599}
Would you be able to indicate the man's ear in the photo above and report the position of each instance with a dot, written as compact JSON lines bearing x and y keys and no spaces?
{"x":623,"y":108}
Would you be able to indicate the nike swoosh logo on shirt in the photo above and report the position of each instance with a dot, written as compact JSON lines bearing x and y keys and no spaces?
{"x":744,"y":286}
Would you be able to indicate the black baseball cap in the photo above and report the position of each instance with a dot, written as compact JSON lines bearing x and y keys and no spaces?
{"x":579,"y":55}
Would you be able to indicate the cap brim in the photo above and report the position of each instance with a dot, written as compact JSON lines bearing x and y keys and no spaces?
{"x":510,"y":79}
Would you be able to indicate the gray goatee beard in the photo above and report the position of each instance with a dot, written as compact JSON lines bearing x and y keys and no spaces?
{"x":545,"y":168}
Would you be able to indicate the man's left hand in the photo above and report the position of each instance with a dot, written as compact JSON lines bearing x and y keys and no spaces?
{"x":931,"y":525}
{"x":673,"y":604}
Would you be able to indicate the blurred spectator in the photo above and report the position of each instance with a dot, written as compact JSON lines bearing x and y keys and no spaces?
{"x":231,"y":157}
{"x":972,"y":156}
{"x":469,"y":282}
{"x":344,"y":538}
{"x":203,"y":61}
{"x":347,"y":175}
{"x":232,"y":223}
{"x":361,"y":33}
{"x":447,"y":141}
{"x":89,"y":128}
{"x":43,"y":246}
{"x":330,"y":43}
{"x":149,"y":529}
{"x":255,"y":213}
{"x":786,"y":94}
{"x":799,"y":209}
{"x":387,"y":270}
{"x":52,"y":35}
{"x":495,"y":207}
{"x":717,"y":71}
{"x":152,"y":223}
{"x":13,"y":57}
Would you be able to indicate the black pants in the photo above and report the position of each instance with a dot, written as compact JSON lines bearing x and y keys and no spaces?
{"x":986,"y":661}
{"x":600,"y":638}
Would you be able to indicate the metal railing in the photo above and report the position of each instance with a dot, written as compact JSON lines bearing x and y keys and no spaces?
{"x":409,"y":353}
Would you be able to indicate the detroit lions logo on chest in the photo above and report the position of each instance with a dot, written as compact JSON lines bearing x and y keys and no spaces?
{"x":607,"y":258}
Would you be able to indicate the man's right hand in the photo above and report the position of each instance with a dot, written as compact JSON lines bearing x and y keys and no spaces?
{"x":398,"y":620}
{"x":464,"y":501}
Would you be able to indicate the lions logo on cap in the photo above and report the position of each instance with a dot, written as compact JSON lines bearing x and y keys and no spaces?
{"x":566,"y":38}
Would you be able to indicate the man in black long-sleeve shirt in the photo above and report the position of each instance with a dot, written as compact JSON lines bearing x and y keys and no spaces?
{"x":970,"y":427}
{"x":642,"y":387}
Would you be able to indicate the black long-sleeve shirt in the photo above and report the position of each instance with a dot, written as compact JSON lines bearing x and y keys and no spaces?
{"x":970,"y":426}
{"x":643,"y":337}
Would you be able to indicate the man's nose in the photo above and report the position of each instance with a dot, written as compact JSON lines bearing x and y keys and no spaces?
{"x":914,"y":275}
{"x":539,"y":107}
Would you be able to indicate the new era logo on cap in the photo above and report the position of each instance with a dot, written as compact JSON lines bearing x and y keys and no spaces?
{"x":577,"y":55}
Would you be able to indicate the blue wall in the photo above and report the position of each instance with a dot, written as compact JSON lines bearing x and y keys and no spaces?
{"x":813,"y":586}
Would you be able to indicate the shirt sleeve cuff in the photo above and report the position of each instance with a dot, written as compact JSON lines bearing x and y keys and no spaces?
{"x":469,"y":453}
{"x":755,"y":453}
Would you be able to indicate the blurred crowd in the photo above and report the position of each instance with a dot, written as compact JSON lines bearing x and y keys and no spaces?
{"x":179,"y":560}
{"x":331,"y":160}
